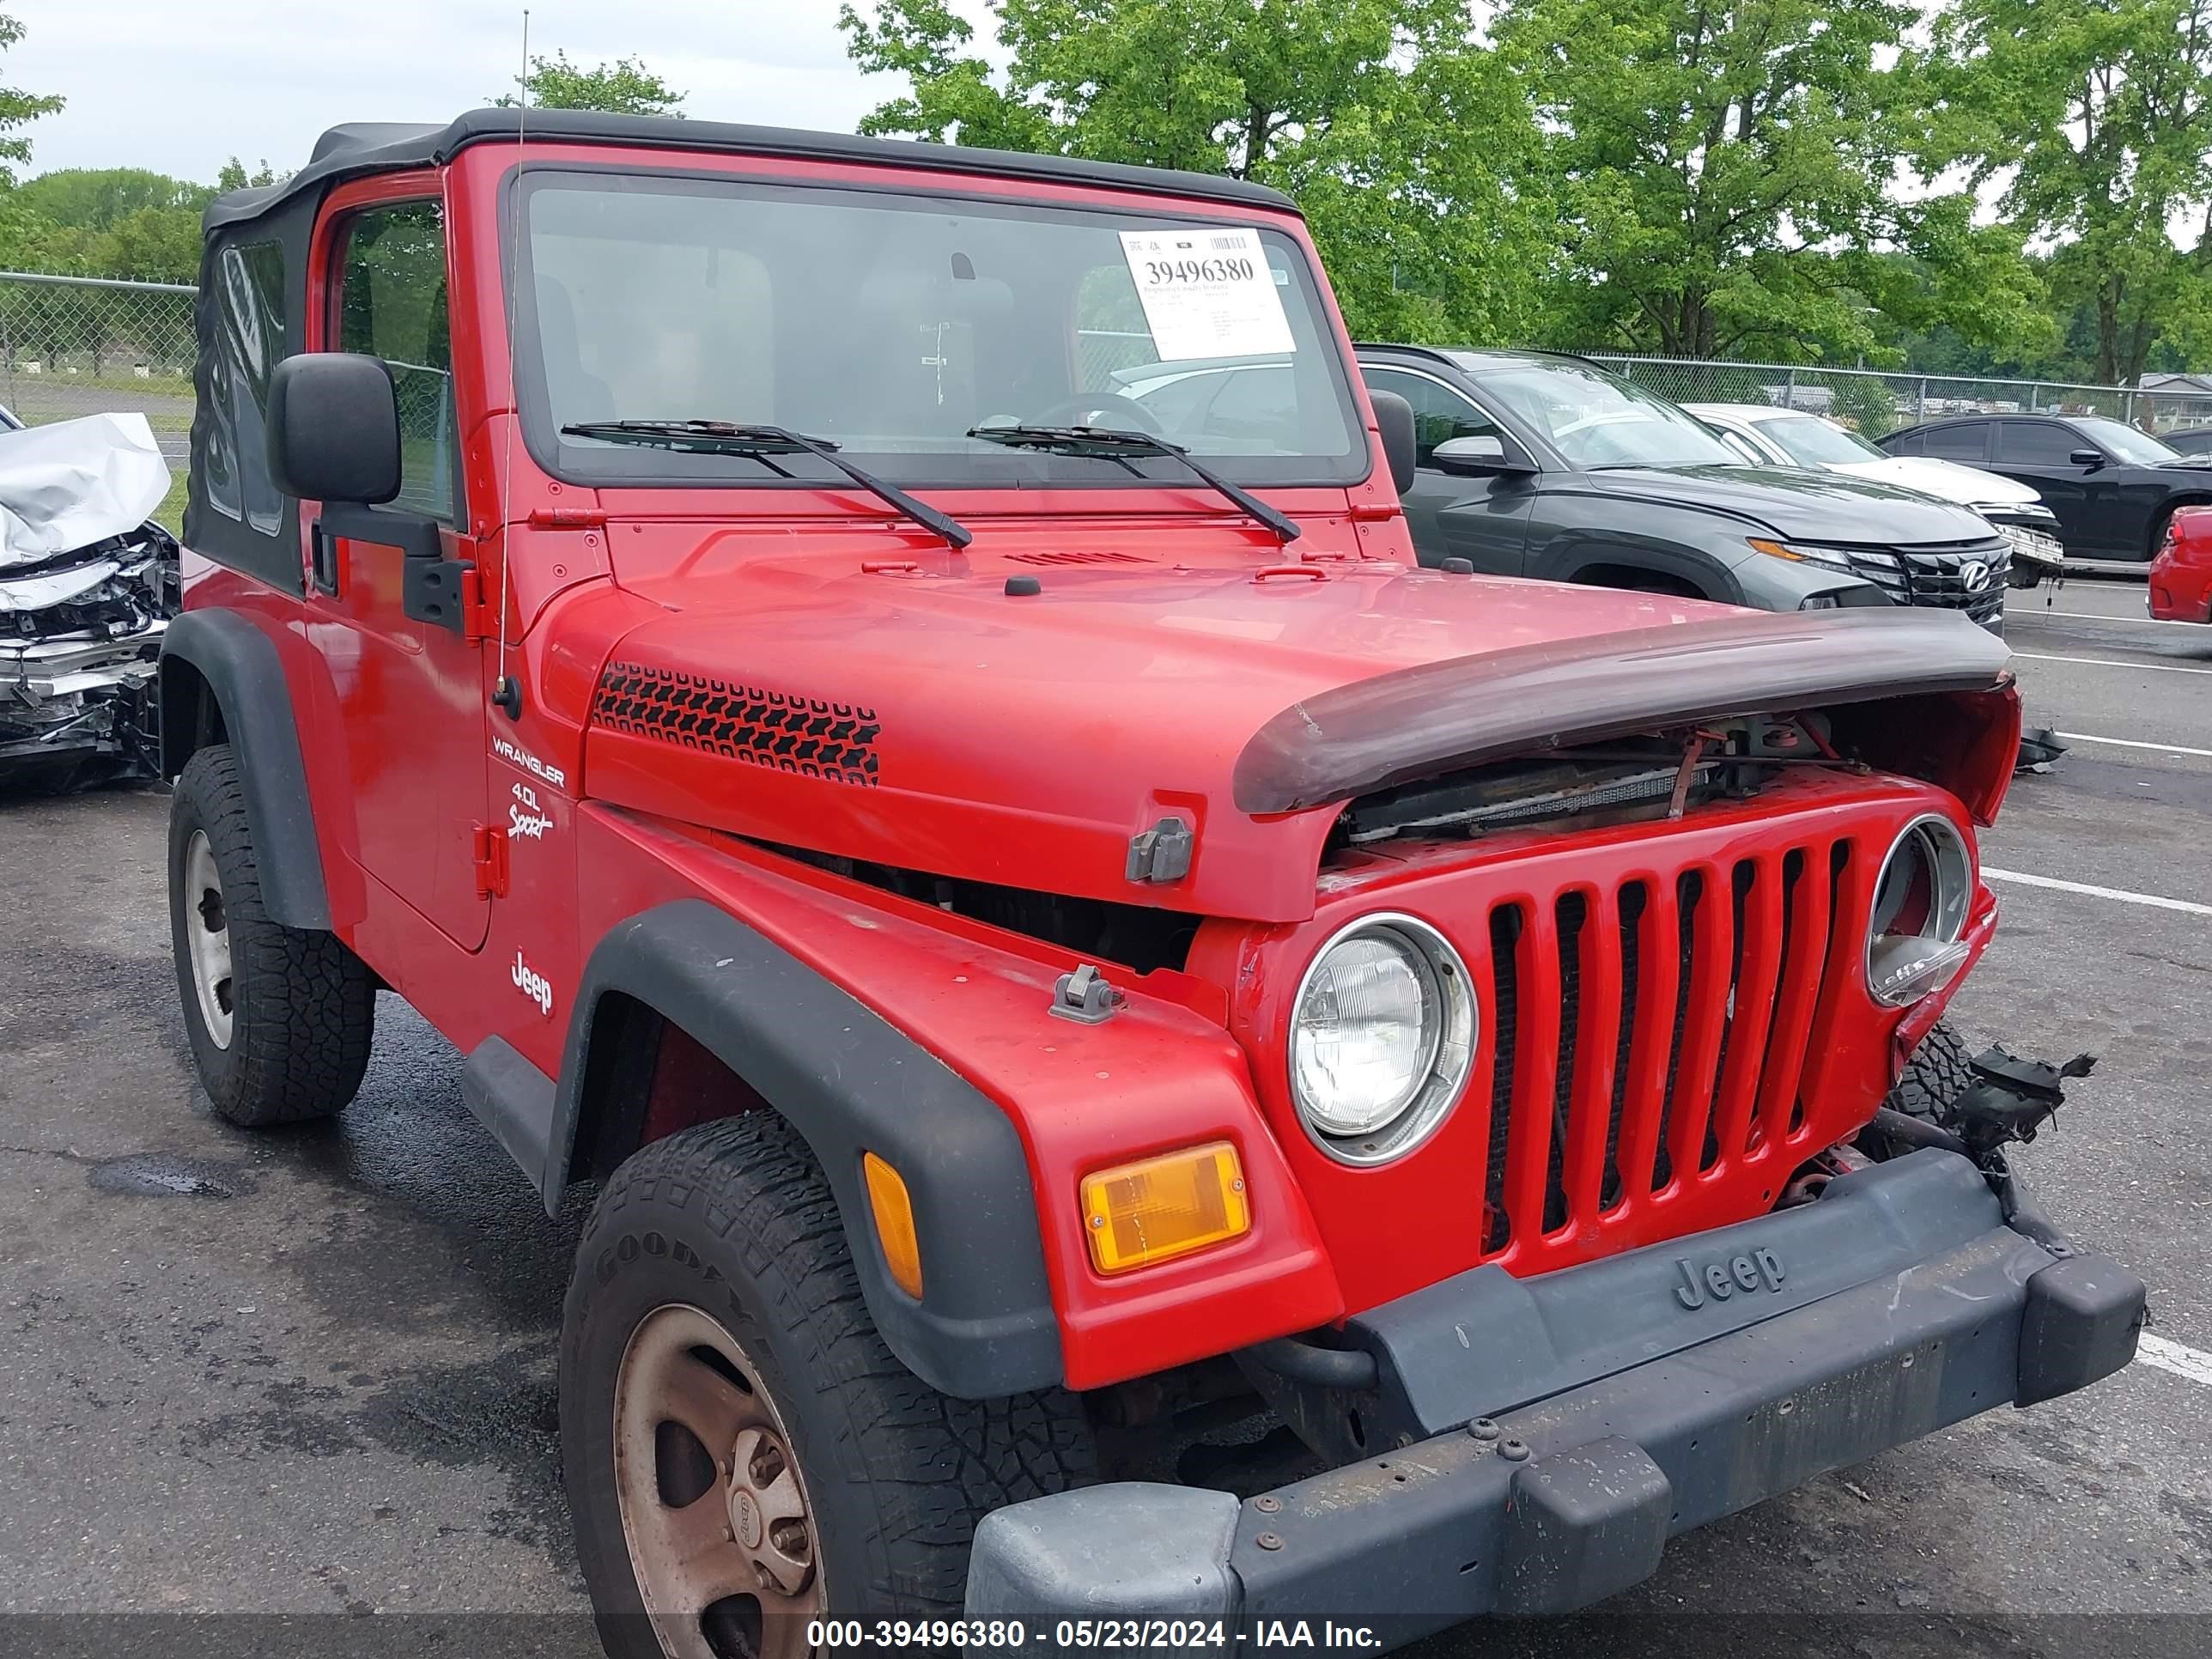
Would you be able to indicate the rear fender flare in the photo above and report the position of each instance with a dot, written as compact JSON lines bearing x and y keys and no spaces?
{"x":850,"y":1082}
{"x":220,"y":654}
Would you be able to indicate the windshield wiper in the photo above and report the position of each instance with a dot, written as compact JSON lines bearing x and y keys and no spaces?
{"x":728,"y":438}
{"x":1110,"y":445}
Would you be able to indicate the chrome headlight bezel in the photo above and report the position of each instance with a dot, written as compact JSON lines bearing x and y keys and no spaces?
{"x":1449,"y":1013}
{"x":1903,"y":967}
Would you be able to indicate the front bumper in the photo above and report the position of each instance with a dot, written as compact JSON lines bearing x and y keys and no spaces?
{"x":1574,"y":1423}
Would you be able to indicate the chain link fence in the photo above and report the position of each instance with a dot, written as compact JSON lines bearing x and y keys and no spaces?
{"x":84,"y":345}
{"x":1875,"y":402}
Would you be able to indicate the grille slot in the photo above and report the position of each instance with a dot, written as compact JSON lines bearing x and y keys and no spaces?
{"x":1646,"y":1030}
{"x":1568,"y":916}
{"x":1505,"y":1013}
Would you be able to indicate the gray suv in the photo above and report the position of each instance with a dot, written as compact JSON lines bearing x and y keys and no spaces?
{"x":1534,"y":464}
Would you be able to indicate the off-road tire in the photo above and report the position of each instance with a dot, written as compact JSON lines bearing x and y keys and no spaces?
{"x":734,"y":1217}
{"x":1935,"y":1074}
{"x":303,"y":1006}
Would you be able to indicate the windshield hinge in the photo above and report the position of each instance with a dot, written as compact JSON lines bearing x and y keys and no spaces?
{"x":566,"y":518}
{"x":477,"y":623}
{"x":490,"y":853}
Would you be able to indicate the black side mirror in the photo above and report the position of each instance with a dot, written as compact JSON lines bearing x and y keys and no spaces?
{"x":1393,"y":418}
{"x":334,"y":427}
{"x":2091,"y":458}
{"x":1473,"y":456}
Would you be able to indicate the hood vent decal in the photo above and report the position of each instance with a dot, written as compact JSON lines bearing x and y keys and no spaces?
{"x":1077,"y":558}
{"x":835,"y":741}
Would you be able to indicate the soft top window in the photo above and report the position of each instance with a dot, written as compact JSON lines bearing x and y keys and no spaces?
{"x":249,"y":307}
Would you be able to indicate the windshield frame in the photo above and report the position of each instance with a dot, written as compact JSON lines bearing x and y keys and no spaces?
{"x":994,"y":468}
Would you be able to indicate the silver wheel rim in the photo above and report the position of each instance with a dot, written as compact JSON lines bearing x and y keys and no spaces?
{"x":207,"y":940}
{"x":735,"y":1568}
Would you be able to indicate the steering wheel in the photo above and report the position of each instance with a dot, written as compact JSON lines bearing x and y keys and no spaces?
{"x":1084,"y":407}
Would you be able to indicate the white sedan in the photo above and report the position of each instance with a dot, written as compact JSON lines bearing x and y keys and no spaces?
{"x":1769,"y":435}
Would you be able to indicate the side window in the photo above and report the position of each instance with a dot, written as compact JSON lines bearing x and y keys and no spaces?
{"x":249,"y":305}
{"x":1439,"y":412}
{"x":391,"y":304}
{"x":1909,"y":443}
{"x":2038,"y":443}
{"x":1969,"y":441}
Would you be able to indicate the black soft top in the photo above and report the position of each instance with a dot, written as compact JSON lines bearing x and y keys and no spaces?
{"x":361,"y":148}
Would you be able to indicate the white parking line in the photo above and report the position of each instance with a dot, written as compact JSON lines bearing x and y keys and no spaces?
{"x":2107,"y":662}
{"x":2173,"y":1357}
{"x":2189,"y":906}
{"x":2136,"y":742}
{"x":2098,"y":615}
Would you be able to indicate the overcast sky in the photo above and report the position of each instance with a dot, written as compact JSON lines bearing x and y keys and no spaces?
{"x":181,"y":85}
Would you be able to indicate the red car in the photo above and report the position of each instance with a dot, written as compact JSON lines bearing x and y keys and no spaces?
{"x":2181,"y":574}
{"x":1047,"y":937}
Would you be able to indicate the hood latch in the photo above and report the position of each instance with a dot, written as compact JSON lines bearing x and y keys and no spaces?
{"x":1162,"y":853}
{"x":1084,"y":997}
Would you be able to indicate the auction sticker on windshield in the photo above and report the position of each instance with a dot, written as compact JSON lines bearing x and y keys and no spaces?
{"x":1207,"y":293}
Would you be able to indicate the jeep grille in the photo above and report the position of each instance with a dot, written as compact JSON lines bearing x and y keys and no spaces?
{"x":1652,"y":1031}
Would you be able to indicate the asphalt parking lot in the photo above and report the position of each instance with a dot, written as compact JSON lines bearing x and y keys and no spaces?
{"x":311,"y":1373}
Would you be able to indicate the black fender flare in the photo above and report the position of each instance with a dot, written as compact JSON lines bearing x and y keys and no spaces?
{"x":1694,"y":566}
{"x":849,"y":1082}
{"x":238,"y":663}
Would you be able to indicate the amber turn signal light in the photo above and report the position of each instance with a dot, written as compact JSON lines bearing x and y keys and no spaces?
{"x":894,"y":1213}
{"x":1137,"y":1215}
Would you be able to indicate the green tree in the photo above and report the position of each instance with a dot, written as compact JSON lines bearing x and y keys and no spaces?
{"x":98,"y":198}
{"x":1396,"y":131}
{"x":1725,"y":173}
{"x":623,"y":87}
{"x":18,"y":108}
{"x":233,"y":176}
{"x":2100,"y":111}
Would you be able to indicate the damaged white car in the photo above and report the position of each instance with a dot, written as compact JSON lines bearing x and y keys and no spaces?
{"x":88,"y":583}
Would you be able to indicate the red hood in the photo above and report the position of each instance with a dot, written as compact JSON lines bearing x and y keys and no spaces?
{"x":934,"y":721}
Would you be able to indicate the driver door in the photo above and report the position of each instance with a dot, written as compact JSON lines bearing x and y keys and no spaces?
{"x":1483,"y":519}
{"x":411,"y":692}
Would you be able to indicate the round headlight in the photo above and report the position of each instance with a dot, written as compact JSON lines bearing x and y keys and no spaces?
{"x":1920,"y":904}
{"x":1381,"y":1034}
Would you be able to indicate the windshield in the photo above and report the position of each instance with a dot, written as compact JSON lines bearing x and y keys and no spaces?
{"x":1811,"y":442}
{"x":887,"y":326}
{"x":1596,"y":420}
{"x":2124,"y":442}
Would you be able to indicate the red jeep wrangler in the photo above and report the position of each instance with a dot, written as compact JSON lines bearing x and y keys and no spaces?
{"x":1101,"y":945}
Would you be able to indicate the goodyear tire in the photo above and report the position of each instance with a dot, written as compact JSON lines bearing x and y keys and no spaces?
{"x":742,"y":1453}
{"x":279,"y":1018}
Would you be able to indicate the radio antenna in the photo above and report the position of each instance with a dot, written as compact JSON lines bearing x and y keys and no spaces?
{"x":507,"y":690}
